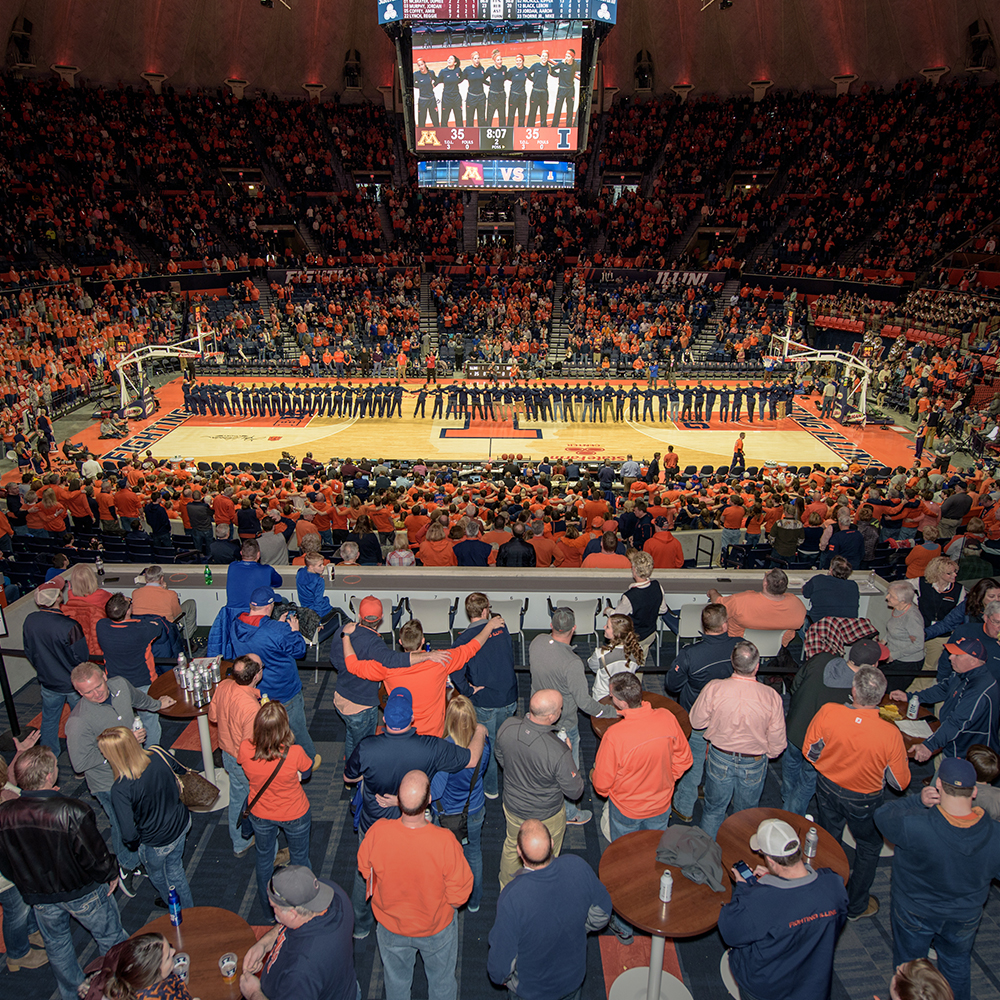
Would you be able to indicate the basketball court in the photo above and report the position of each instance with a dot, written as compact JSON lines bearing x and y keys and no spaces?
{"x":799,"y":439}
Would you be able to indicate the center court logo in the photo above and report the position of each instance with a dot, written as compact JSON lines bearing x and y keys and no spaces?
{"x":428,"y":137}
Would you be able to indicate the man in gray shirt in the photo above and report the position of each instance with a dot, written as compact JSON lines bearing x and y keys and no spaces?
{"x":105,"y":702}
{"x":273,"y":547}
{"x":953,"y":510}
{"x":554,"y":664}
{"x":538,"y":772}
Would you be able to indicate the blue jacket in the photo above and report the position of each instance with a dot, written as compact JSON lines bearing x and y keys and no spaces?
{"x":536,"y":956}
{"x":450,"y":792}
{"x":492,"y":669}
{"x":783,"y":933}
{"x":243,"y":578}
{"x":473,"y":552}
{"x":312,"y":592}
{"x":278,"y":647}
{"x":969,"y":712}
{"x":939,"y":868}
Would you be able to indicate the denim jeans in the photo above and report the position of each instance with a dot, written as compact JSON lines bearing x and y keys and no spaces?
{"x":52,"y":706}
{"x":798,"y":781}
{"x":575,"y":995}
{"x":128,"y":860}
{"x":914,"y":933}
{"x":358,"y":726}
{"x":18,"y":922}
{"x":439,"y":953}
{"x":622,"y":824}
{"x":165,"y":868}
{"x":492,"y":719}
{"x":838,"y":806}
{"x":686,"y":790}
{"x":202,"y":540}
{"x":239,"y":789}
{"x":739,"y":779}
{"x":296,"y":709}
{"x":363,"y":916}
{"x":266,"y":834}
{"x":730,"y":536}
{"x":150,"y":722}
{"x":573,"y":732}
{"x":473,"y":852}
{"x":98,"y":912}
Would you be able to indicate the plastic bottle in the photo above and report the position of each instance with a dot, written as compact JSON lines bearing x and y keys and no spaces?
{"x":136,"y":724}
{"x":913,"y":708}
{"x":99,"y":566}
{"x":208,"y":576}
{"x":666,"y":886}
{"x":812,"y":843}
{"x":174,"y":907}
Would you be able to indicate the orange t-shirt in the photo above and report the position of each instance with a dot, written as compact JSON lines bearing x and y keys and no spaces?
{"x":284,"y":798}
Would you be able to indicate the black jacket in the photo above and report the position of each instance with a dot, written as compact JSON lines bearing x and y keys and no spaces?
{"x":50,"y":848}
{"x":516,"y":552}
{"x":54,"y":644}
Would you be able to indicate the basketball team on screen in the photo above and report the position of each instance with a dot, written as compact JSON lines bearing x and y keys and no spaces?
{"x":488,"y":100}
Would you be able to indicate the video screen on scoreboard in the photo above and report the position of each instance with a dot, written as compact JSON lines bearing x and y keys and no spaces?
{"x":476,"y":88}
{"x":495,"y":10}
{"x":500,"y":175}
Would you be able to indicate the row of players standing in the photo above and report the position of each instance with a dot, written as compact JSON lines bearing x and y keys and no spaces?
{"x":495,"y":400}
{"x":480,"y":110}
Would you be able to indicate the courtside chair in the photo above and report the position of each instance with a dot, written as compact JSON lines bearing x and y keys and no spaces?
{"x":767,"y":640}
{"x":690,"y":624}
{"x":513,"y":613}
{"x":586,"y":612}
{"x":436,"y":617}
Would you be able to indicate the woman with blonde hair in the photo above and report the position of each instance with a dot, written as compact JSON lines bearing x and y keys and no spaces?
{"x":623,"y":652}
{"x":451,"y":792}
{"x":147,"y":803}
{"x":85,"y":602}
{"x":144,"y":970}
{"x":401,"y":554}
{"x":283,"y":804}
{"x":436,"y":549}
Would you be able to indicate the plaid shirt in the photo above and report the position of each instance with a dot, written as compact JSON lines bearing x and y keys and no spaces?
{"x":831,"y":635}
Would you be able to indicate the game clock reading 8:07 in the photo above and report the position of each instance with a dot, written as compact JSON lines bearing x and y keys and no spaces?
{"x":498,"y":138}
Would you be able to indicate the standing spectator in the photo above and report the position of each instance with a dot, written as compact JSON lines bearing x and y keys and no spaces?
{"x":530,"y":953}
{"x":199,"y":516}
{"x":488,"y":679}
{"x":554,"y":665}
{"x":744,"y":724}
{"x":283,"y":805}
{"x":623,"y":652}
{"x":106,"y":702}
{"x":417,"y":877}
{"x":947,"y":852}
{"x":244,"y":577}
{"x":904,"y":633}
{"x":152,"y":818}
{"x":517,"y":552}
{"x":233,"y":708}
{"x":43,"y":824}
{"x":696,"y":665}
{"x":54,"y":644}
{"x":472,"y":550}
{"x":272,"y":544}
{"x":783,"y":929}
{"x":856,"y":753}
{"x":644,"y":601}
{"x":539,"y":775}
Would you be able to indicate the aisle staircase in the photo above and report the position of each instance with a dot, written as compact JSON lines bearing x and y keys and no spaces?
{"x":470,"y":224}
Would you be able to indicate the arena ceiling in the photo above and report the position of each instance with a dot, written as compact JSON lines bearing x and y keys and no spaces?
{"x":797,"y":44}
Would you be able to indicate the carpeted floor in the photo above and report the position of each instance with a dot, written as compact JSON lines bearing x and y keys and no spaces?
{"x":864,"y":955}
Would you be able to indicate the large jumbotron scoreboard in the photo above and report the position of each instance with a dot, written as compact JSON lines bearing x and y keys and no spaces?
{"x":488,"y":77}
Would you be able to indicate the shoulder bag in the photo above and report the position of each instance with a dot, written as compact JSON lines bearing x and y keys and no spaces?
{"x":458,"y":823}
{"x":196,"y":791}
{"x":246,"y":827}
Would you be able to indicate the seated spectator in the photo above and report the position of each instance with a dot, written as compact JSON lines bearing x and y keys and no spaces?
{"x":436,"y":548}
{"x":833,"y":594}
{"x":608,"y":557}
{"x":401,"y":553}
{"x":472,"y":550}
{"x":770,"y":608}
{"x":665,"y":549}
{"x":144,"y":970}
{"x":348,"y":554}
{"x":920,"y":555}
{"x":222,"y":551}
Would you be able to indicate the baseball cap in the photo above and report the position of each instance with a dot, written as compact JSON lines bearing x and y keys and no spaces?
{"x":775,"y":838}
{"x":398,"y":711}
{"x":295,"y":885}
{"x":866,"y":652}
{"x":48,"y":595}
{"x":263,"y":596}
{"x":958,"y":772}
{"x":370,"y":609}
{"x":968,"y":645}
{"x":563,"y":620}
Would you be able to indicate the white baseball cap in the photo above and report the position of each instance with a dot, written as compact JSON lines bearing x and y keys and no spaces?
{"x":775,"y":838}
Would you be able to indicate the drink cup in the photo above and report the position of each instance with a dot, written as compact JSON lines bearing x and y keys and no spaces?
{"x":182,"y":965}
{"x":227,"y":966}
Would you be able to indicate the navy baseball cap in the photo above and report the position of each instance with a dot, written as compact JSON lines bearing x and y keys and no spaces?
{"x":969,"y":645}
{"x":263,"y":596}
{"x":958,"y":772}
{"x":398,"y":712}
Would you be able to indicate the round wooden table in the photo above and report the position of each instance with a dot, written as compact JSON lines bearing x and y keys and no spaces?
{"x":206,"y":934}
{"x":734,"y":839}
{"x":600,"y":726}
{"x":631,"y":874}
{"x":166,"y":685}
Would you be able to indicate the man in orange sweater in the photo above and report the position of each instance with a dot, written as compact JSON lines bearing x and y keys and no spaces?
{"x":426,"y":679}
{"x":416,"y":876}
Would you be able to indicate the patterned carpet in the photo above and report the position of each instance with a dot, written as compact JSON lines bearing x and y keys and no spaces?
{"x":864,"y":955}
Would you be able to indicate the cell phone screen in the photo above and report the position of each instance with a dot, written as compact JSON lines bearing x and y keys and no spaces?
{"x":744,"y":869}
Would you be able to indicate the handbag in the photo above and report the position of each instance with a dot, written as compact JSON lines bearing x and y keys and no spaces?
{"x":195,"y":790}
{"x":246,"y":827}
{"x":458,"y":823}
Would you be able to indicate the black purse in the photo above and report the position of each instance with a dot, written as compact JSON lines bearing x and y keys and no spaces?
{"x":246,"y":827}
{"x":458,"y":823}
